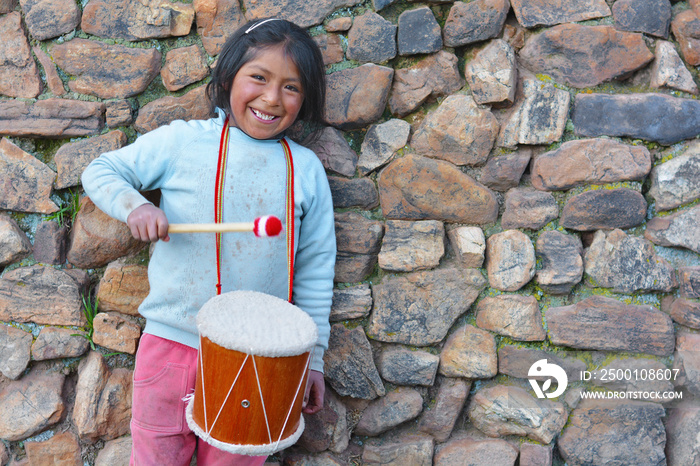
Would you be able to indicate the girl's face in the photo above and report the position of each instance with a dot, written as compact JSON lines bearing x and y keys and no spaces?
{"x":266,"y":94}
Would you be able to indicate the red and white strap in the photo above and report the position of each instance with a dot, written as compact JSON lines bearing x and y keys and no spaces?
{"x":268,"y":225}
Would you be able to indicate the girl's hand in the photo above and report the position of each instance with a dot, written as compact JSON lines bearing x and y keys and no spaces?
{"x":315,"y":389}
{"x":148,"y":223}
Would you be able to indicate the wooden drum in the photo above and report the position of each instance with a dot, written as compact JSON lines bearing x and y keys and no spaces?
{"x":254,"y":358}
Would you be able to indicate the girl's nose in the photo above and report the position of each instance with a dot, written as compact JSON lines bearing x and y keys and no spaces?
{"x":271,"y":96}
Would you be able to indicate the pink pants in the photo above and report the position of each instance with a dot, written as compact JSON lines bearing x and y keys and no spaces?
{"x":164,"y":375}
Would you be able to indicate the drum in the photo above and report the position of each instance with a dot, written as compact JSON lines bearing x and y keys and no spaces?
{"x":254,"y":358}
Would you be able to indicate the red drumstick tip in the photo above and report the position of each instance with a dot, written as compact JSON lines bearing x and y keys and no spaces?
{"x":268,"y":225}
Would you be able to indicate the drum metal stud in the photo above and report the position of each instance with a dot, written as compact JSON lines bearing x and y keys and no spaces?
{"x":245,"y":403}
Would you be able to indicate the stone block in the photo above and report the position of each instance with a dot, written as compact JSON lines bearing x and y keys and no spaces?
{"x":355,"y":192}
{"x":106,"y":71}
{"x":609,"y":431}
{"x":14,"y":244}
{"x":469,"y":352}
{"x":349,"y":364}
{"x":381,"y":143}
{"x":419,"y":308}
{"x":516,"y":316}
{"x":123,"y":287}
{"x":418,"y":32}
{"x":474,"y":21}
{"x":410,"y":246}
{"x":51,"y":243}
{"x":562,"y":261}
{"x":618,"y":327}
{"x":458,"y":131}
{"x":604,"y":209}
{"x":434,"y":76}
{"x":653,"y":117}
{"x":333,"y":150}
{"x":351,"y":303}
{"x":627,"y":264}
{"x":510,"y":260}
{"x":469,"y":244}
{"x":571,"y":54}
{"x":589,"y":161}
{"x":678,"y":229}
{"x":170,"y":108}
{"x":677,"y":181}
{"x":371,"y":39}
{"x":43,"y":295}
{"x":402,"y":366}
{"x":502,"y":410}
{"x":97,"y":239}
{"x":357,"y":97}
{"x":539,"y":118}
{"x":19,"y":75}
{"x":438,"y":191}
{"x":396,"y":407}
{"x":31,"y":181}
{"x":493,"y":74}
{"x":534,"y":13}
{"x":49,"y":19}
{"x":31,"y":405}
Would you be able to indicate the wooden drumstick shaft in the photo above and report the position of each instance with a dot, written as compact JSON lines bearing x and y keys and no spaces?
{"x":267,"y":225}
{"x":245,"y":227}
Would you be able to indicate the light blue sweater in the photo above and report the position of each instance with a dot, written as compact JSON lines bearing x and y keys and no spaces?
{"x":180,"y":159}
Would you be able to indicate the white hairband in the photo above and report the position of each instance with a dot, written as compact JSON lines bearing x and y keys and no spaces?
{"x":260,"y":23}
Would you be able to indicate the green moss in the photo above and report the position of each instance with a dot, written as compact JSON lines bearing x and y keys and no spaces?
{"x":170,"y":43}
{"x":141,"y":258}
{"x":130,"y":133}
{"x":634,"y":185}
{"x":392,"y":12}
{"x":343,"y":65}
{"x":400,"y":62}
{"x":605,"y":21}
{"x":354,"y":139}
{"x":70,"y":365}
{"x":675,"y":210}
{"x":46,"y":149}
{"x":441,"y":12}
{"x":553,"y":146}
{"x":154,"y":91}
{"x":671,"y":153}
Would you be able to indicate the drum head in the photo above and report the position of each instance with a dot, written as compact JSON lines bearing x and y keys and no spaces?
{"x":257,"y":323}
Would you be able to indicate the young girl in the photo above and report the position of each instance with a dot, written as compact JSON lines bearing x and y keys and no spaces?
{"x":233,"y":168}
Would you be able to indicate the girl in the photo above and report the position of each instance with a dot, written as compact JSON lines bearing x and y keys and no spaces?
{"x":232,"y":168}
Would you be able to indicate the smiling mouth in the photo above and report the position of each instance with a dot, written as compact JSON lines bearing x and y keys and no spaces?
{"x":263,"y":116}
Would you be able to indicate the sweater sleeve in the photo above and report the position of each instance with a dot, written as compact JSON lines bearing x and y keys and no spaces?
{"x":114,"y":179}
{"x":315,"y":260}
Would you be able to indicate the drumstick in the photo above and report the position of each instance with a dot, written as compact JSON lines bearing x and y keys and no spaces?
{"x":268,"y":225}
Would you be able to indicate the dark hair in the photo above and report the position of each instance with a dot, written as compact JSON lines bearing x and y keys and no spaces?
{"x":297,"y":44}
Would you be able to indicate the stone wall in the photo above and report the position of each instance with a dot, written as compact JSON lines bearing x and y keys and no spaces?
{"x":513,"y":182}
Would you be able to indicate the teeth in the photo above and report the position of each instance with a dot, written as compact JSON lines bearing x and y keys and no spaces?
{"x":263,"y":115}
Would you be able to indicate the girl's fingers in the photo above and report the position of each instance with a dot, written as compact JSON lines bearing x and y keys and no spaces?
{"x":152,"y":231}
{"x":143,"y":233}
{"x":162,"y":226}
{"x":148,"y":223}
{"x":314,"y":394}
{"x":136,"y":231}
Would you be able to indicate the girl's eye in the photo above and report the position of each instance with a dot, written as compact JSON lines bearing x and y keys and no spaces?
{"x":292,"y":88}
{"x":258,"y":77}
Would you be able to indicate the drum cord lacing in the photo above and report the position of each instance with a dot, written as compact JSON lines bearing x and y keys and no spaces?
{"x":308,"y":362}
{"x":204,"y":396}
{"x":262,"y":401}
{"x":208,"y":429}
